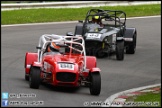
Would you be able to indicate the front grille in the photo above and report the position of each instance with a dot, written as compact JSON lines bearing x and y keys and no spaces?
{"x":92,"y":44}
{"x":91,"y":51}
{"x":92,"y":47}
{"x":65,"y":76}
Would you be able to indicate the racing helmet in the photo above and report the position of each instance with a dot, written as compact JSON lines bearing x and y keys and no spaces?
{"x":96,"y":19}
{"x":53,"y":47}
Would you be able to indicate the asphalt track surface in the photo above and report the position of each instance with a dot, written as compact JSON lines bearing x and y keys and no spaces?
{"x":141,"y":69}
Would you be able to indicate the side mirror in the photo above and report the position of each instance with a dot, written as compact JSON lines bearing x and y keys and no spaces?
{"x":80,"y":21}
{"x":38,"y":47}
{"x":69,"y":34}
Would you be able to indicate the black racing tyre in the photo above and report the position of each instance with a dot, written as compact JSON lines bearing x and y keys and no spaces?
{"x":78,"y":29}
{"x":100,"y":53}
{"x":120,"y":50}
{"x":95,"y":83}
{"x":132,"y":47}
{"x":34,"y":77}
{"x":27,"y":77}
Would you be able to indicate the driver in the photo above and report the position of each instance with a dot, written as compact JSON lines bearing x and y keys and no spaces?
{"x":97,"y":19}
{"x":52,"y":48}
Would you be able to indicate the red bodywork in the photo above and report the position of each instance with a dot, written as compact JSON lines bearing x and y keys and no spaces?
{"x":52,"y":73}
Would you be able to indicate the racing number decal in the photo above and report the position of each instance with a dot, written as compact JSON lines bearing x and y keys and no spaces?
{"x":66,"y":66}
{"x":93,"y":35}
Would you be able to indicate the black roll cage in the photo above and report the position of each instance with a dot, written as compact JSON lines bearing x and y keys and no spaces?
{"x":113,"y":15}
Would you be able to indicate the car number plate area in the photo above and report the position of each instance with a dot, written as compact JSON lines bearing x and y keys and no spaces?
{"x":93,"y":35}
{"x":66,"y":66}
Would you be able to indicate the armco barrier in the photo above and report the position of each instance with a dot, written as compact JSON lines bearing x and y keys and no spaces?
{"x":51,"y":4}
{"x":72,"y":4}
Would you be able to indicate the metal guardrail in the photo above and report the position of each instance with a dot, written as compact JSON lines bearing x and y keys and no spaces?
{"x":50,"y":4}
{"x":72,"y":4}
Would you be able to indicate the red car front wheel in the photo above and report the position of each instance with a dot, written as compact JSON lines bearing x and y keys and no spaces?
{"x":34,"y":77}
{"x":95,"y":83}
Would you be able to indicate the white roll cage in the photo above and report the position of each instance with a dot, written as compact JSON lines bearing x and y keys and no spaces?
{"x":45,"y":39}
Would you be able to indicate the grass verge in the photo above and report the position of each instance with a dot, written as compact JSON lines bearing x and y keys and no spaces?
{"x":146,"y":99}
{"x":71,"y":14}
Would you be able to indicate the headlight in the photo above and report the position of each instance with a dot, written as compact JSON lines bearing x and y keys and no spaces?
{"x":114,"y":37}
{"x":66,"y":66}
{"x":106,"y":40}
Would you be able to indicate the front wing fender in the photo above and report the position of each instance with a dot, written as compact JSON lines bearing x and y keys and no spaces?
{"x":29,"y":59}
{"x":128,"y":35}
{"x":95,"y":69}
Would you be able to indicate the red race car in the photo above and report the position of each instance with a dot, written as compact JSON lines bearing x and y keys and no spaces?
{"x":66,"y":66}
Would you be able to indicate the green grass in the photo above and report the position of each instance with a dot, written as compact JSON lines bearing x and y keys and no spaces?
{"x":148,"y":99}
{"x":71,"y":14}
